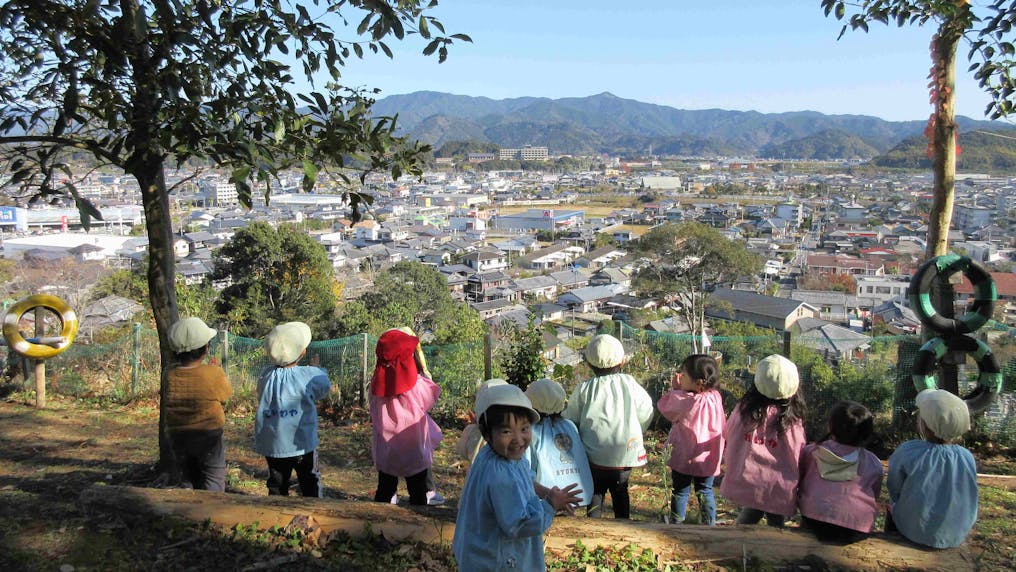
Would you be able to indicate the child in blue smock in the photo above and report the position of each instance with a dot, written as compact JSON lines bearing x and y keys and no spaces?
{"x":932,"y":483}
{"x":556,"y":455}
{"x":285,"y":427}
{"x":501,"y":519}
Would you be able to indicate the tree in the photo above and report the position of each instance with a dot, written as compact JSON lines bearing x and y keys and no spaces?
{"x":415,"y":295}
{"x":139,"y":84}
{"x":991,"y":54}
{"x":688,"y":260}
{"x":274,"y":275}
{"x":522,"y":361}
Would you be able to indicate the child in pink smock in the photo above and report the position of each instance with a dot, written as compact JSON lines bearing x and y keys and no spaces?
{"x":694,"y":406}
{"x":840,"y":480}
{"x":404,"y":436}
{"x":765,"y":436}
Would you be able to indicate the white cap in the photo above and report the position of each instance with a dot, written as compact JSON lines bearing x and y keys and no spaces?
{"x":286,"y":342}
{"x":481,"y":389}
{"x":944,"y":413}
{"x":507,"y":394}
{"x":776,"y":377}
{"x":604,"y":351}
{"x":188,"y":334}
{"x":546,"y":395}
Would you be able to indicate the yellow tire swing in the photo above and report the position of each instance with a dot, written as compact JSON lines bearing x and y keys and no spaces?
{"x":42,"y":348}
{"x":951,"y":333}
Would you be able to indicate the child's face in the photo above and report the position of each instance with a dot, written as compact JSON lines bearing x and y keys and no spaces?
{"x":687,"y":382}
{"x":511,"y":439}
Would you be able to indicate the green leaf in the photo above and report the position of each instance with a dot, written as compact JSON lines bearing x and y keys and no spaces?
{"x":280,"y":130}
{"x":423,"y":28}
{"x":310,"y":172}
{"x":841,"y":11}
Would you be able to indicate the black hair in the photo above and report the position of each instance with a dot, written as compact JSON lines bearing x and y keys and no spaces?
{"x":850,"y":423}
{"x":702,"y":367}
{"x":499,"y":416}
{"x":601,"y":371}
{"x":754,"y":406}
{"x":191,"y":355}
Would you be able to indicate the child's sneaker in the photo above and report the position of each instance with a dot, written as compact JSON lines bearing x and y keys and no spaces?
{"x":395,"y":498}
{"x":435,"y":498}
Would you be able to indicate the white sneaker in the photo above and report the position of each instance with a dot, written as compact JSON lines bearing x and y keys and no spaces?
{"x":395,"y":498}
{"x":434,"y":498}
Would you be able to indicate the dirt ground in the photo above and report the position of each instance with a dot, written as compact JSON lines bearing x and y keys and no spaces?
{"x":47,"y":457}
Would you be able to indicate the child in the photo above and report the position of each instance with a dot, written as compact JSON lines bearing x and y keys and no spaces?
{"x":932,"y":483}
{"x":764,"y":437}
{"x":840,"y":480}
{"x":556,"y":455}
{"x":195,"y":394}
{"x":501,"y":519}
{"x":404,"y":436}
{"x":285,"y":428}
{"x":471,"y":441}
{"x":611,"y":411}
{"x":695,"y":408}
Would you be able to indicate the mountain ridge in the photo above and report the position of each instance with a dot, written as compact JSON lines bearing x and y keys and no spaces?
{"x":606,"y":123}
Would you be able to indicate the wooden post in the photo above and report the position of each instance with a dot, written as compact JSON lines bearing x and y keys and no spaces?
{"x":136,"y":359}
{"x":225,"y":350}
{"x":360,"y":394}
{"x":786,"y":344}
{"x":488,"y":358}
{"x":40,"y":365}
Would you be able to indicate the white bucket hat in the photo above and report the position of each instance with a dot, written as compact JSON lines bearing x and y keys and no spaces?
{"x":481,"y":389}
{"x":507,"y":394}
{"x":188,"y":334}
{"x":944,"y":413}
{"x":286,"y":342}
{"x":604,"y":351}
{"x":776,"y":377}
{"x":546,"y":395}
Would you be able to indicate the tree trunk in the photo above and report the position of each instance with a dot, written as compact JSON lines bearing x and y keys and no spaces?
{"x":670,"y":543}
{"x":943,"y":146}
{"x":161,"y":287}
{"x":146,"y":163}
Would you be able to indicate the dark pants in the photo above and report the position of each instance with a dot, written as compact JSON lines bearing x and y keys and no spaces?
{"x":754,"y":515}
{"x":614,"y":481}
{"x":704,"y":492}
{"x":828,"y":532}
{"x":201,"y":457}
{"x":417,"y":485}
{"x":308,"y":474}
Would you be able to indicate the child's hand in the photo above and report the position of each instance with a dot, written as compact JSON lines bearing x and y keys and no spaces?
{"x":213,"y":361}
{"x":565,"y":499}
{"x":315,"y":360}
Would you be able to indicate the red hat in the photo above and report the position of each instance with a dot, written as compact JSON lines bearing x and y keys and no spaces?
{"x":395,"y":372}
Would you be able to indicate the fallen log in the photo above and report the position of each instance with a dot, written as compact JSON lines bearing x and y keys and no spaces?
{"x":436,"y":524}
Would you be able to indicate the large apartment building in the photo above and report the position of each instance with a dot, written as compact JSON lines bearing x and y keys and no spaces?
{"x":527,"y":153}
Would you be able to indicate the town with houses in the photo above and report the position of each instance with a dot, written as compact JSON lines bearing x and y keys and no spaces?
{"x":517,"y":245}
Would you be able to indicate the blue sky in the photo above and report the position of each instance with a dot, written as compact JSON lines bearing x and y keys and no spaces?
{"x":764,"y":55}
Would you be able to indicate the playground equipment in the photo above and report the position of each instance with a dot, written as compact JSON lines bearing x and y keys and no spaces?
{"x":40,"y":347}
{"x":951,"y":333}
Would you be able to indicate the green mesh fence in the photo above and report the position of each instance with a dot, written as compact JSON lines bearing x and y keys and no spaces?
{"x":878,"y":375}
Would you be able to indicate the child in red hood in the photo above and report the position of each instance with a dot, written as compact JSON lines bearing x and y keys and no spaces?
{"x":404,"y":436}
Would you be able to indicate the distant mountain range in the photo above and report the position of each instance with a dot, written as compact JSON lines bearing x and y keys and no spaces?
{"x":606,"y":123}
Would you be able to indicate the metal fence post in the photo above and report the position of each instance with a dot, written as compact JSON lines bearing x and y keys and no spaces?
{"x":135,"y":358}
{"x":786,"y":344}
{"x":225,"y":350}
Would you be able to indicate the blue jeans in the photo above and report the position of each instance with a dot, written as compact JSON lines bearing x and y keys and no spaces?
{"x":703,"y":491}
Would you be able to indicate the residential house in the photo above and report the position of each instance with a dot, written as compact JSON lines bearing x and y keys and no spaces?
{"x":536,"y":287}
{"x":876,"y":290}
{"x":610,"y":276}
{"x":758,"y":309}
{"x":1005,"y":286}
{"x":572,"y":278}
{"x":490,"y":308}
{"x":554,"y":256}
{"x":600,"y":257}
{"x":837,"y":307}
{"x":589,"y":298}
{"x":486,"y":261}
{"x":832,"y":341}
{"x":842,"y":264}
{"x":897,"y":317}
{"x":487,"y":286}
